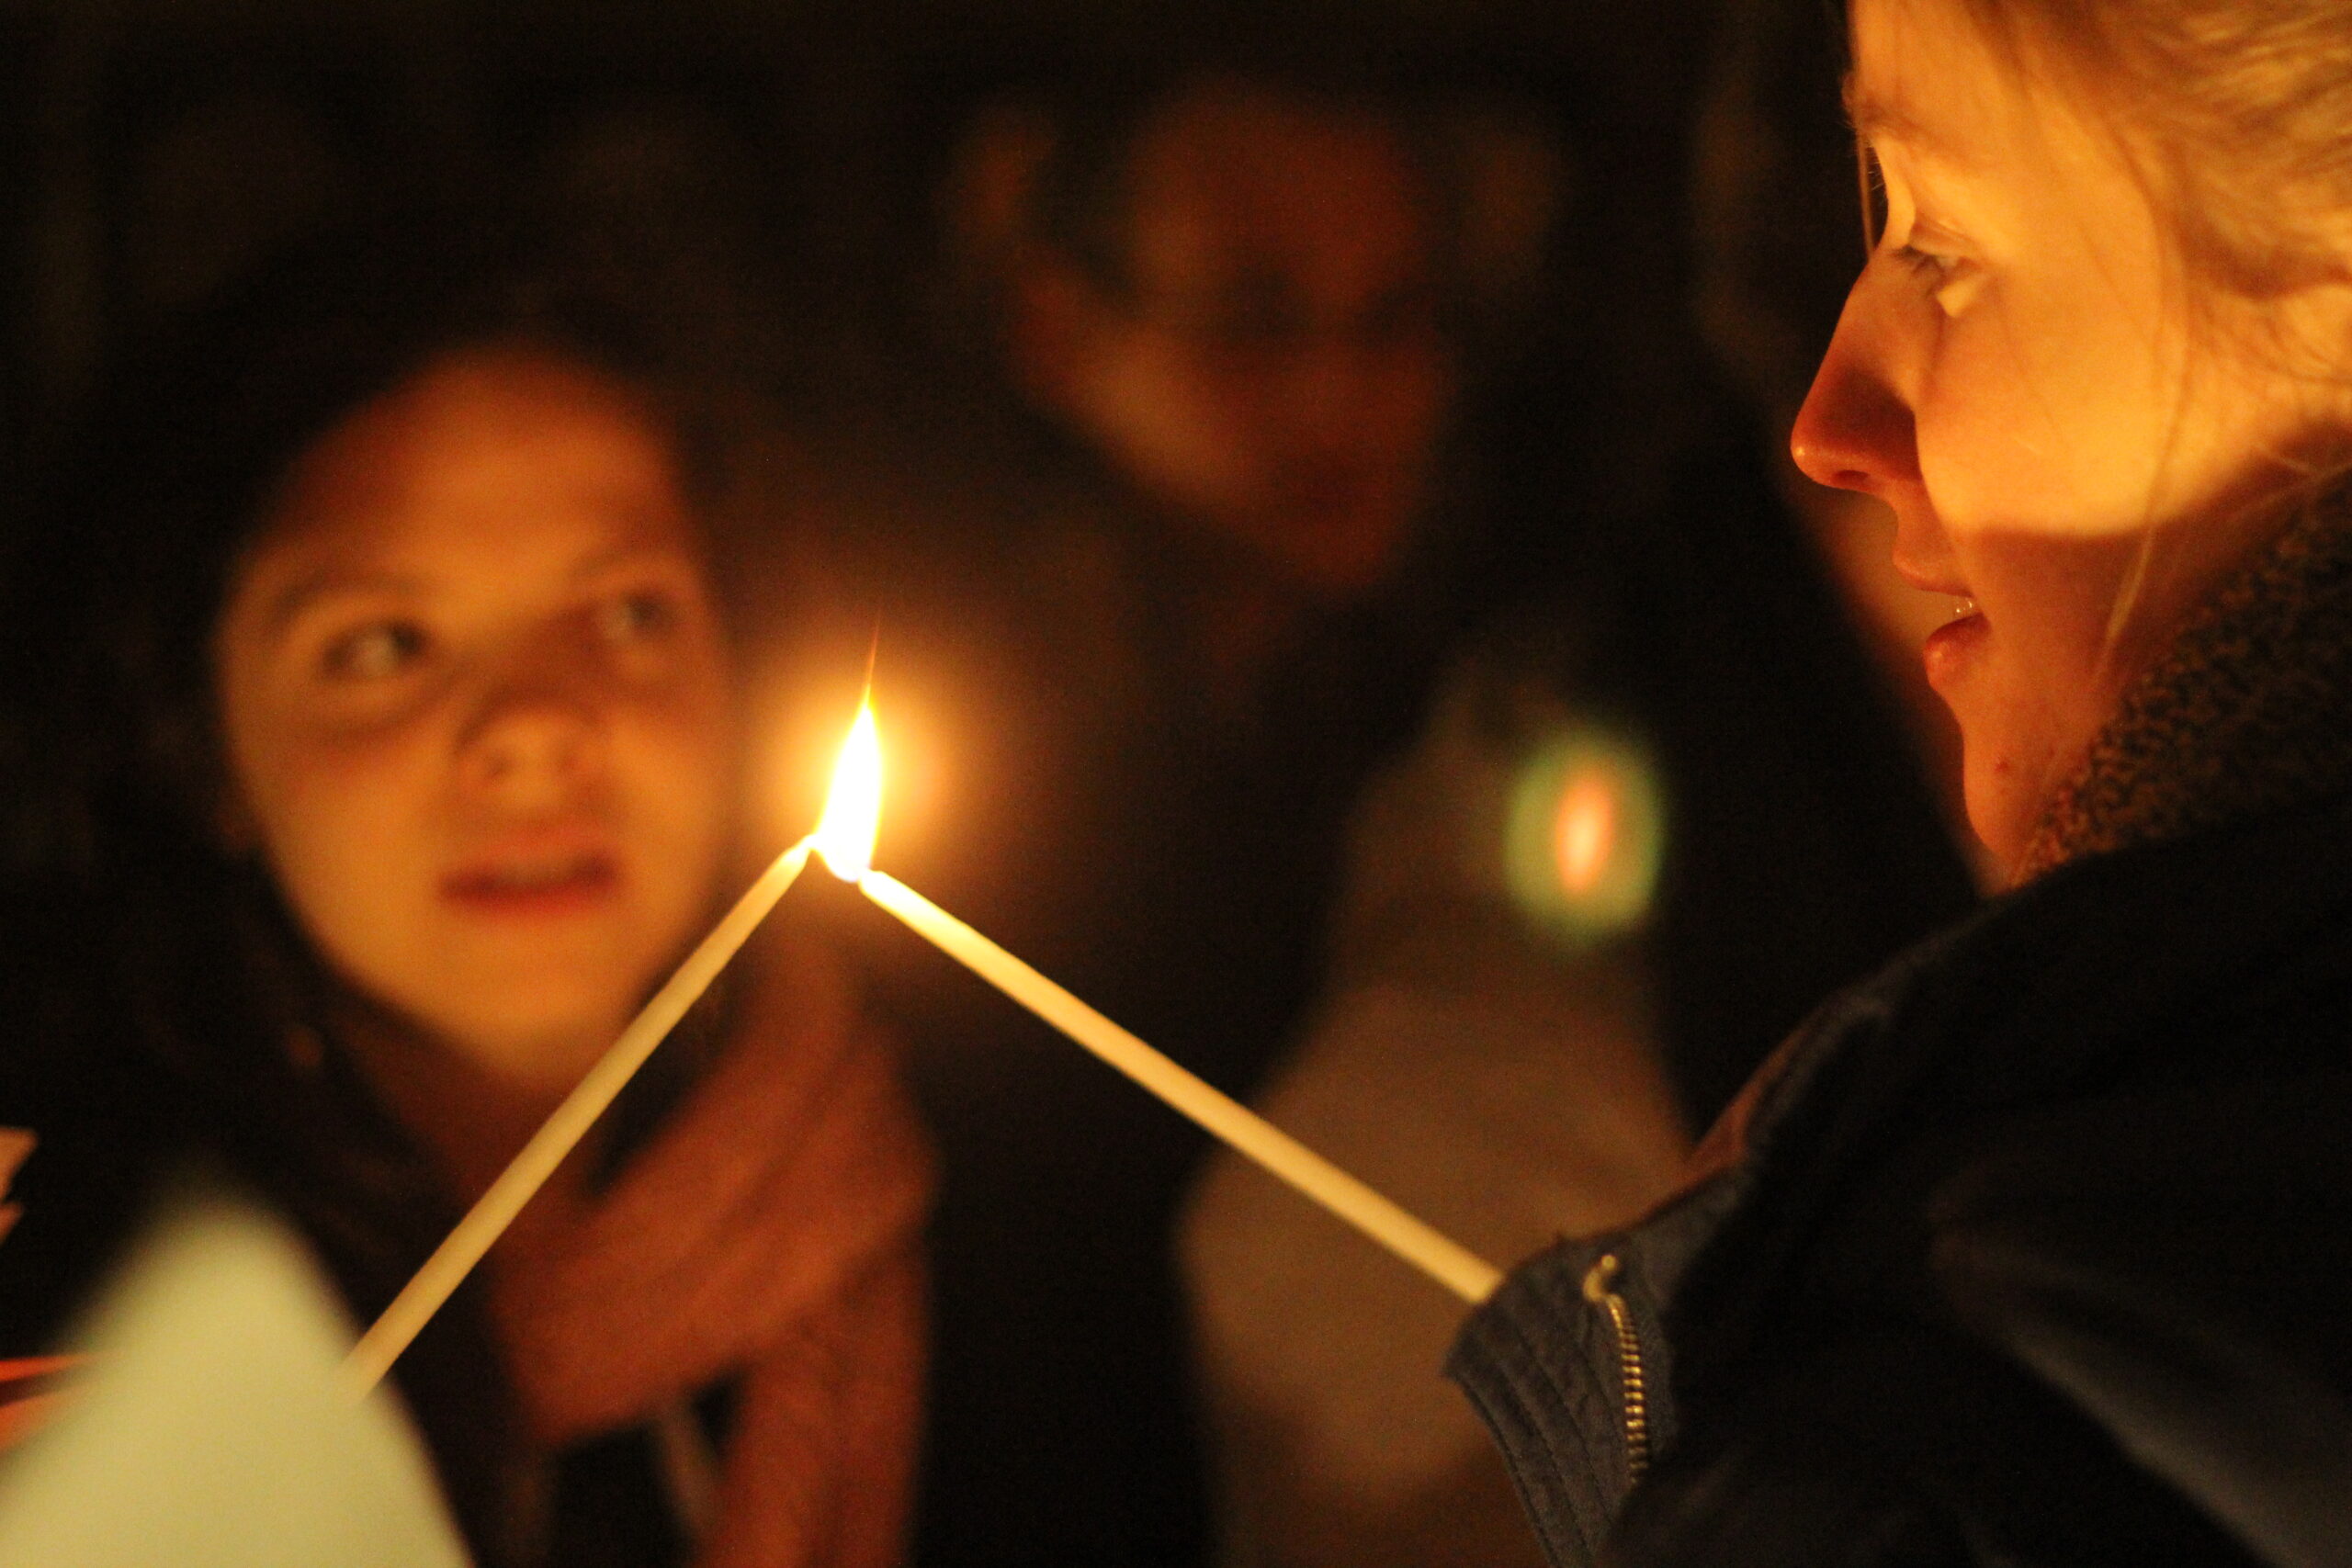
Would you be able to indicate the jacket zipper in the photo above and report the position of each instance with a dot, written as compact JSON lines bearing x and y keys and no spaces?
{"x":1598,"y":1281}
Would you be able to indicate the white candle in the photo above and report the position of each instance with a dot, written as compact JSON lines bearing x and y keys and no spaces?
{"x":488,"y":1218}
{"x":1443,"y":1260}
{"x":845,"y":839}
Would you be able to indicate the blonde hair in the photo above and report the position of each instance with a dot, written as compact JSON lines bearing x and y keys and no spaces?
{"x":2235,"y":114}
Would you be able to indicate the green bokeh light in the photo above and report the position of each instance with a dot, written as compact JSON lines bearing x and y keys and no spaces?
{"x":1585,"y":835}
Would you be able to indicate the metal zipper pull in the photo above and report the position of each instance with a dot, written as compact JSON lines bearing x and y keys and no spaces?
{"x":1599,"y":1282}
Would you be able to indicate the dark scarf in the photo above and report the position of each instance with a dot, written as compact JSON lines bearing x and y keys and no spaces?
{"x":2250,"y":711}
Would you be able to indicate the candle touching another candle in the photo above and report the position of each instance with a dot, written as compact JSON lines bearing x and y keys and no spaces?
{"x":845,"y":839}
{"x":496,"y":1208}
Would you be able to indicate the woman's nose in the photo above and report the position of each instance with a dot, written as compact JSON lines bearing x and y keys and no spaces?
{"x":1855,"y":431}
{"x":535,"y":741}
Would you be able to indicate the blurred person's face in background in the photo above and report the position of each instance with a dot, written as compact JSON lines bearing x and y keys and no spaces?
{"x":477,"y":712}
{"x":2070,"y":456}
{"x":1273,"y":367}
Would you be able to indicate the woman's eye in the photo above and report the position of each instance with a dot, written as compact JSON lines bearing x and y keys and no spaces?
{"x":1875,"y":202}
{"x":1951,"y":281}
{"x":373,"y":652}
{"x":1930,"y":264}
{"x":630,"y":617}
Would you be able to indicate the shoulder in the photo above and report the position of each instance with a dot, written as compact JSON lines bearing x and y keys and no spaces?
{"x":2104,"y":1128}
{"x":1907,"y":1444}
{"x":2176,"y":1263}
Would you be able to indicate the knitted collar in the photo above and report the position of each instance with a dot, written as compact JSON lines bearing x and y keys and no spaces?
{"x":783,"y":1180}
{"x":2250,"y":711}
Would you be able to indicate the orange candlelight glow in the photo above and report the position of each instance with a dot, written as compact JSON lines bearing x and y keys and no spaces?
{"x":853,"y":817}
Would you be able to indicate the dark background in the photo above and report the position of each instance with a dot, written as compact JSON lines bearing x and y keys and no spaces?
{"x":149,"y":148}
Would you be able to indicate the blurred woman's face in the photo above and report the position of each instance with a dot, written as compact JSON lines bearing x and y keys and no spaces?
{"x":476,"y":705}
{"x":2071,"y":453}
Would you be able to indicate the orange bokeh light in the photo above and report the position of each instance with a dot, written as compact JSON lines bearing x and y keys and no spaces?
{"x":1584,"y":836}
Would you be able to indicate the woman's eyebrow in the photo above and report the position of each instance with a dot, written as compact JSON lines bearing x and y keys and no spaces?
{"x":1878,"y":119}
{"x":304,"y":592}
{"x":648,"y":543}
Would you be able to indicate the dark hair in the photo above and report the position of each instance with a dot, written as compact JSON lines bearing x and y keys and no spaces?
{"x":166,"y":981}
{"x":1082,"y":201}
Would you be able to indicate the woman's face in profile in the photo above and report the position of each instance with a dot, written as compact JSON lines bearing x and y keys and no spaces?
{"x":476,"y":705}
{"x":2069,"y":447}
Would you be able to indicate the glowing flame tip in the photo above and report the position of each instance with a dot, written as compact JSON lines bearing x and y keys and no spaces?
{"x":853,"y":808}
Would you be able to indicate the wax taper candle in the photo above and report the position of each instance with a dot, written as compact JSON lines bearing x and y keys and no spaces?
{"x":1443,"y":1260}
{"x":845,"y":839}
{"x":496,"y":1208}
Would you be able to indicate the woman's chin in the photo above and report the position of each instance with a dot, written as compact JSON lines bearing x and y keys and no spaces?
{"x":536,"y":1057}
{"x":2004,"y":802}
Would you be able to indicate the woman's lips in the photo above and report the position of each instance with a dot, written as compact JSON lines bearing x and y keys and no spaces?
{"x":525,"y":886}
{"x":1951,"y":646}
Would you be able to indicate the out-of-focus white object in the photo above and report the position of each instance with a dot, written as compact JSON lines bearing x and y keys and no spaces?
{"x":206,"y":1427}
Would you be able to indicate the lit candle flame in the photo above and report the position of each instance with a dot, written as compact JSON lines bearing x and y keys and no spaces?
{"x":853,"y":808}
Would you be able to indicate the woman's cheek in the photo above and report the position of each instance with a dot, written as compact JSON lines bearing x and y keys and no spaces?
{"x":1983,"y":437}
{"x":359,"y":804}
{"x":1948,"y":434}
{"x":678,"y":755}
